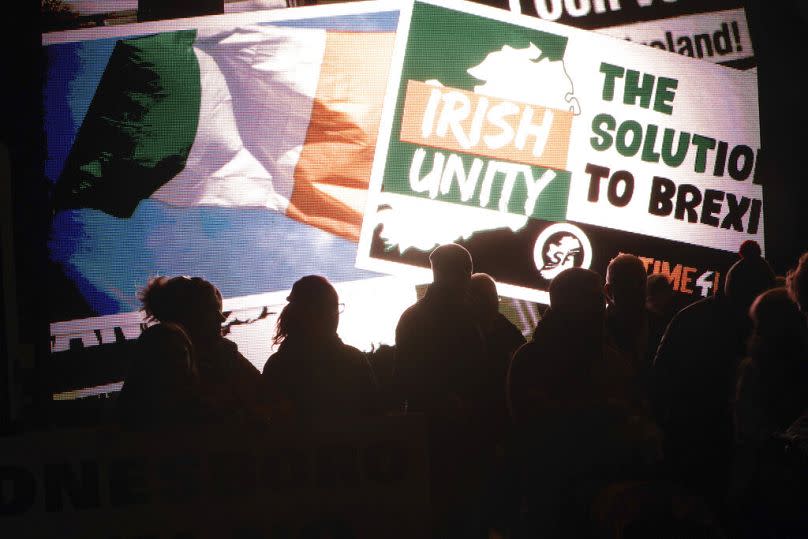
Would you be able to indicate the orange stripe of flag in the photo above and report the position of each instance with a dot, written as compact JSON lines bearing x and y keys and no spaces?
{"x":341,"y":138}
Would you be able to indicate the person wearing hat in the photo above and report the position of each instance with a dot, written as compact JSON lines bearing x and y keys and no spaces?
{"x":440,"y":371}
{"x":314,"y":377}
{"x":438,"y":341}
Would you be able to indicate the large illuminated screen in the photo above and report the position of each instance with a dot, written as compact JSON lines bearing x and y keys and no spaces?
{"x":542,"y":147}
{"x":237,"y":148}
{"x":349,"y":140}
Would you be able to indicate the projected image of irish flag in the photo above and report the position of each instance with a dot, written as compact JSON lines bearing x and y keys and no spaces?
{"x":254,"y":116}
{"x":236,"y":148}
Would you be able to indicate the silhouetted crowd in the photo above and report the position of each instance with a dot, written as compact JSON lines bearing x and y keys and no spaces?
{"x":620,"y":417}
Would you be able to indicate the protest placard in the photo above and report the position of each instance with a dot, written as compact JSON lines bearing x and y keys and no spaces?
{"x":513,"y":136}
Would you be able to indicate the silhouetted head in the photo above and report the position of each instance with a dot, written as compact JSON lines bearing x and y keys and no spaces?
{"x":625,"y":282}
{"x":483,"y":290}
{"x":162,"y":380}
{"x":191,"y":302}
{"x":451,"y":265}
{"x":797,"y":283}
{"x":658,"y":292}
{"x":577,"y":293}
{"x":748,"y":277}
{"x":775,"y":316}
{"x":169,"y":341}
{"x":312,"y":311}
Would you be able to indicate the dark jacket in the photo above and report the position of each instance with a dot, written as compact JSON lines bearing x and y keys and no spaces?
{"x":229,"y":382}
{"x":313,"y":380}
{"x":440,"y":352}
{"x":162,"y":385}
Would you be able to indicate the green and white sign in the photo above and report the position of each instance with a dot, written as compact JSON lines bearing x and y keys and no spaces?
{"x":492,"y":120}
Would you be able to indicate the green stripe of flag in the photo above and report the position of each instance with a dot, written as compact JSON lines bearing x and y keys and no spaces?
{"x":139,"y":128}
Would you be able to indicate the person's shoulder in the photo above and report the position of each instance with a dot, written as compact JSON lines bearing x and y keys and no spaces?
{"x":353,"y":354}
{"x":163,"y":330}
{"x":155,"y":330}
{"x":228,"y":348}
{"x":502,"y":321}
{"x":528,"y":366}
{"x":164,"y":338}
{"x":277,"y":360}
{"x":229,"y":357}
{"x":528,"y":352}
{"x":504,"y":326}
{"x":413,"y":311}
{"x":697,"y":312}
{"x":704,"y":304}
{"x":410,"y":318}
{"x":351,"y":350}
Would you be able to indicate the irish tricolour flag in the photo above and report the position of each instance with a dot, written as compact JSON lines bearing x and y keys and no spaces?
{"x":234,"y":147}
{"x":258,"y":116}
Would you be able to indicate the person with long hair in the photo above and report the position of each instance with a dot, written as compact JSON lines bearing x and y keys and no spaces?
{"x":314,"y":377}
